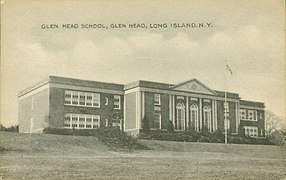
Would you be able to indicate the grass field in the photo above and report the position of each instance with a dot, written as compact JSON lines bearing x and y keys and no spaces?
{"x":42,"y":156}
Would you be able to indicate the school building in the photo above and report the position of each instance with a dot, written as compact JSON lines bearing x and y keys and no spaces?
{"x":59,"y":102}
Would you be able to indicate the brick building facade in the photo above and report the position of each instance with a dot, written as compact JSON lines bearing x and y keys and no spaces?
{"x":191,"y":105}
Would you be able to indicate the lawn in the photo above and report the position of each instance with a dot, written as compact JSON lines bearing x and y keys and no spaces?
{"x":43,"y":156}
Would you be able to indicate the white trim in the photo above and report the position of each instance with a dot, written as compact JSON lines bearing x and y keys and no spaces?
{"x":34,"y":91}
{"x":178,"y":93}
{"x":237,"y":117}
{"x":32,"y":103}
{"x":136,"y":110}
{"x":173,"y":110}
{"x":200,"y":113}
{"x":124,"y":113}
{"x":213,"y":117}
{"x":187,"y":112}
{"x":139,"y":109}
{"x":170,"y":107}
{"x":143,"y":104}
{"x":251,"y":107}
{"x":88,"y":89}
{"x":207,"y":100}
{"x":32,"y":122}
{"x":132,"y":90}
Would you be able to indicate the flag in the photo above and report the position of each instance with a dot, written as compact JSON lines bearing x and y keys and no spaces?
{"x":228,"y":68}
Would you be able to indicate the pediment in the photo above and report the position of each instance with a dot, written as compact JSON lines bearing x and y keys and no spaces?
{"x":194,"y":86}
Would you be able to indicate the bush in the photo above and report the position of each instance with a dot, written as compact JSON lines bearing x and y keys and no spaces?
{"x":145,"y":124}
{"x":170,"y":127}
{"x":111,"y":136}
{"x":191,"y":136}
{"x":276,"y":138}
{"x":10,"y":129}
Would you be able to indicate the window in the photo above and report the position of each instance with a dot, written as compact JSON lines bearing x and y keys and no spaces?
{"x":75,"y":98}
{"x":88,"y":120}
{"x":117,"y":101}
{"x":260,"y":115}
{"x":81,"y":121}
{"x":88,"y":99}
{"x":243,"y":114}
{"x":96,"y":121}
{"x":252,"y":115}
{"x":226,"y":107}
{"x":96,"y":100}
{"x":180,"y":116}
{"x":207,"y":117}
{"x":157,"y":99}
{"x":106,"y":122}
{"x":74,"y":120}
{"x":68,"y":97}
{"x":157,"y":108}
{"x":67,"y":120}
{"x":106,"y":101}
{"x":194,"y":116}
{"x":251,"y":131}
{"x":82,"y":98}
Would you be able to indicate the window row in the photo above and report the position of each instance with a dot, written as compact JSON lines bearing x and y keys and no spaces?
{"x":82,"y":121}
{"x":251,"y":131}
{"x":250,"y":115}
{"x":78,"y":98}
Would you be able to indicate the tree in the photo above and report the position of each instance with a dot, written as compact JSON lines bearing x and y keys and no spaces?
{"x":145,"y":125}
{"x":170,"y":127}
{"x":273,"y":123}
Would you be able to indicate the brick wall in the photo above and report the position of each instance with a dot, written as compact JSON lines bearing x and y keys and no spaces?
{"x":38,"y":112}
{"x":58,"y":109}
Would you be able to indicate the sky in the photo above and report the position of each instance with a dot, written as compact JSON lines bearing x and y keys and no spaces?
{"x":250,"y":35}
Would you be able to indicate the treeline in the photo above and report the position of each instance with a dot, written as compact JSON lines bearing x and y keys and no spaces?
{"x":14,"y":128}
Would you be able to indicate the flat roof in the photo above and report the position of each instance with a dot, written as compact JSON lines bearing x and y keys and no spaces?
{"x":74,"y":82}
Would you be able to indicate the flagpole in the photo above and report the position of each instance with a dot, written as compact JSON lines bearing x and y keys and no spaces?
{"x":225,"y":100}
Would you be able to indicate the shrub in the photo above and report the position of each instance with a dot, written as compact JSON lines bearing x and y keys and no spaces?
{"x":191,"y":136}
{"x":276,"y":138}
{"x":145,"y":124}
{"x":111,"y":136}
{"x":9,"y":129}
{"x":170,"y":127}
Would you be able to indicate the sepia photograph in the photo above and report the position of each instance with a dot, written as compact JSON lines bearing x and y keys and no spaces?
{"x":97,"y":89}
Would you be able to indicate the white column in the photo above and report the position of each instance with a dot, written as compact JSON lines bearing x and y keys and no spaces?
{"x":215,"y":115}
{"x":138,"y":109}
{"x":124,"y":113}
{"x":170,"y":107}
{"x":187,"y":111}
{"x":143,"y":104}
{"x":237,"y":116}
{"x":173,"y":109}
{"x":200,"y":112}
